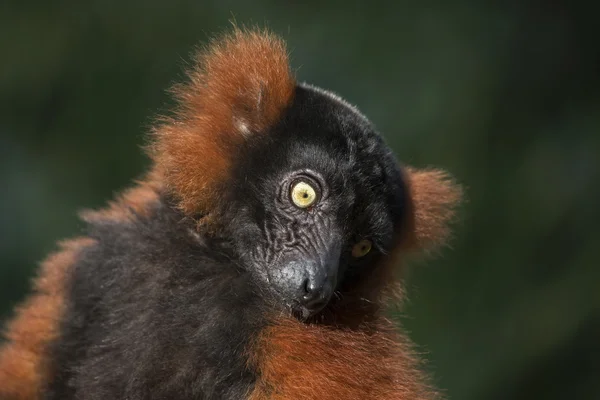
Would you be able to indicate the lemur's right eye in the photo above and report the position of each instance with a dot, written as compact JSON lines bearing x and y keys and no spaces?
{"x":303,"y":195}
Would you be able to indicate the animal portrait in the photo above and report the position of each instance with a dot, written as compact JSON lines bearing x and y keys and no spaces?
{"x":255,"y":259}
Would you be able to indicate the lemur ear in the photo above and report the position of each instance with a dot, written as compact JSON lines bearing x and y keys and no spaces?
{"x":434,"y":198}
{"x":238,"y":87}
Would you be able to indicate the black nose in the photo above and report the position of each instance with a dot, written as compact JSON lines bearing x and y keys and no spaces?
{"x":315,"y":292}
{"x":308,"y":284}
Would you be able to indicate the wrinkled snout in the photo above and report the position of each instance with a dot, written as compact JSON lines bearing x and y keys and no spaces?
{"x":308,"y":285}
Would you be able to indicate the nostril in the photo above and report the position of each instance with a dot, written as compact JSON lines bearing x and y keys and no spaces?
{"x":308,"y":288}
{"x":312,"y":292}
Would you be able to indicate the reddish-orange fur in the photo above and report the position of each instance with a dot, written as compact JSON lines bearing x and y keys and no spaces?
{"x":434,"y":197}
{"x":22,"y":358}
{"x":316,"y":362}
{"x":133,"y":202}
{"x":238,"y":87}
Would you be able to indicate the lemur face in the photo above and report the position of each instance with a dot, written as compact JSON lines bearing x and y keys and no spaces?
{"x":315,"y":202}
{"x":296,"y":179}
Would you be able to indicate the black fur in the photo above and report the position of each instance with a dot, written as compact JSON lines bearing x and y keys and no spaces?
{"x":157,"y":310}
{"x":156,"y":313}
{"x":325,"y":138}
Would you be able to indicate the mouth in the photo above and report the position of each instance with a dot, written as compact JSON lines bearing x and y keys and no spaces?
{"x":303,"y":312}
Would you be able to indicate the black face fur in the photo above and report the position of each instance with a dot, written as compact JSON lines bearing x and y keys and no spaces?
{"x":304,"y":255}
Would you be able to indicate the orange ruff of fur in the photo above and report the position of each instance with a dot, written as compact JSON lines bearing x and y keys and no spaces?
{"x":130,"y":204}
{"x":435,"y":197}
{"x":240,"y":85}
{"x":315,"y":362}
{"x":22,"y":358}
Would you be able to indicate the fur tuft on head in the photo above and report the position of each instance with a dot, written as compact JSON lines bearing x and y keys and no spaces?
{"x":435,"y":197}
{"x":240,"y":84}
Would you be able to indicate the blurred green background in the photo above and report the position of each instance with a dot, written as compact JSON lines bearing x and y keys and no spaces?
{"x":505,"y":95}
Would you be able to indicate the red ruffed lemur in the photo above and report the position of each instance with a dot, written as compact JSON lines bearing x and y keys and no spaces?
{"x":253,"y":261}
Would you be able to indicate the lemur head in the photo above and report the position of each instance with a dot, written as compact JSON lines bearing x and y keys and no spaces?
{"x":312,"y":200}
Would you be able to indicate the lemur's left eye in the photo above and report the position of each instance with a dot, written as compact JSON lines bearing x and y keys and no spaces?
{"x":361,"y":248}
{"x":303,"y":194}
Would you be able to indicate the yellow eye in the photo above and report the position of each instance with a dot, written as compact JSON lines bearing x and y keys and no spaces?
{"x":361,"y":248}
{"x":303,"y":195}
